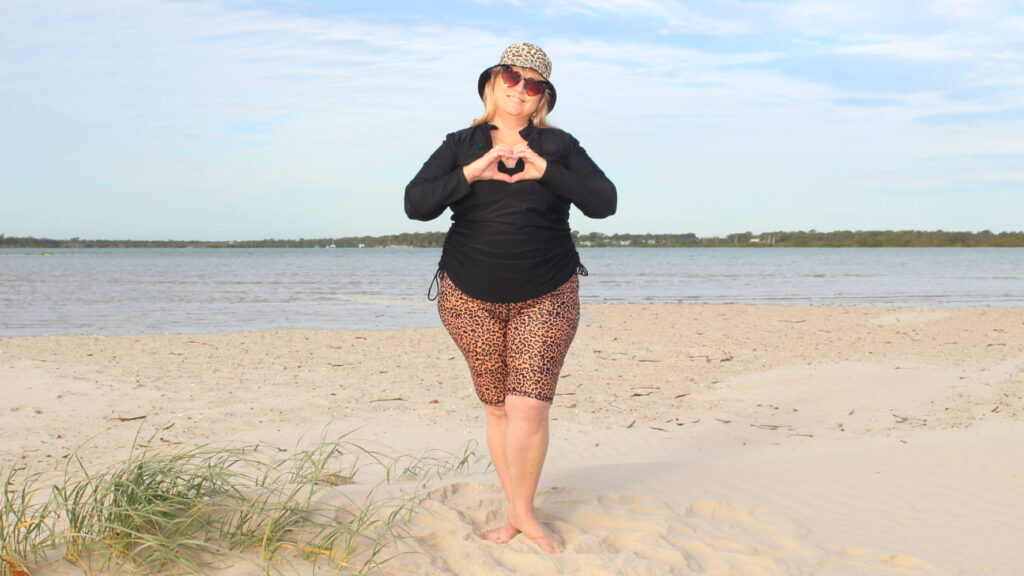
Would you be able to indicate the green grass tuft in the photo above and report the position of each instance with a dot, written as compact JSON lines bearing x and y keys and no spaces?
{"x":183,"y":512}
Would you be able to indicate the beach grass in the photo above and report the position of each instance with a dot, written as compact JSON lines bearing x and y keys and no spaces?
{"x":191,"y":511}
{"x":26,"y":525}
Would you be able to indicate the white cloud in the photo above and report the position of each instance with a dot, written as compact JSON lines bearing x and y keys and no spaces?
{"x":968,"y":9}
{"x":674,"y":15}
{"x":926,"y":50}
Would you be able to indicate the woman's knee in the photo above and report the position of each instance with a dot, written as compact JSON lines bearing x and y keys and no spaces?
{"x":496,"y":412}
{"x":527,"y":411}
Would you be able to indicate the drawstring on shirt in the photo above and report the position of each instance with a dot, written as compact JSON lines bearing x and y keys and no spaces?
{"x":435,"y":284}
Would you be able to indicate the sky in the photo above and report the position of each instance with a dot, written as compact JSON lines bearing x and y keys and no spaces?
{"x":254,"y":119}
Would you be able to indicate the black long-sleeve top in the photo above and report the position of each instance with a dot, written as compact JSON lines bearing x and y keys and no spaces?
{"x":509,"y":242}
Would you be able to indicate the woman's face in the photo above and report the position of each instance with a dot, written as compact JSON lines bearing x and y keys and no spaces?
{"x":514,"y":100}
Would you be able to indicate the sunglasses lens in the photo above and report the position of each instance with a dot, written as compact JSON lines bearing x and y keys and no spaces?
{"x":510,"y":77}
{"x":534,"y":87}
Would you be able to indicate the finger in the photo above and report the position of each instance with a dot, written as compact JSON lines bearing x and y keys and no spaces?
{"x":502,"y":150}
{"x":523,"y":151}
{"x":493,"y":154}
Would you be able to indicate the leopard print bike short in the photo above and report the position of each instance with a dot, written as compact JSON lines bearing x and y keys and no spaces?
{"x":516,"y":348}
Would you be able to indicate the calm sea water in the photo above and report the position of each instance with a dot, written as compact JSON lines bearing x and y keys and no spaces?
{"x":133,"y":291}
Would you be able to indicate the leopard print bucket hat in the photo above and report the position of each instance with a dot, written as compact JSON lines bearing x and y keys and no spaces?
{"x":527,"y":56}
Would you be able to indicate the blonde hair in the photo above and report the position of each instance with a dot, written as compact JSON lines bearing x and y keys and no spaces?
{"x":539,"y":118}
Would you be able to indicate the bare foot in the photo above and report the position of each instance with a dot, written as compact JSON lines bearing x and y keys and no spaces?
{"x":540,"y":534}
{"x":548,"y":540}
{"x":502,"y":535}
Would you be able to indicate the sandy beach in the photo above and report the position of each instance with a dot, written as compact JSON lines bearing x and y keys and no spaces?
{"x":686,"y":439}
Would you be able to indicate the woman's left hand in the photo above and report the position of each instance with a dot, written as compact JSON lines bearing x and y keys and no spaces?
{"x":534,"y":164}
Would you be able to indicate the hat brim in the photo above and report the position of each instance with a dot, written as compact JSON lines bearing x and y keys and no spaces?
{"x":485,"y":77}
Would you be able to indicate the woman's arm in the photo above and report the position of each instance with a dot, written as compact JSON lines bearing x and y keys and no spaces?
{"x":442,"y":182}
{"x":438,"y":184}
{"x":582,"y":182}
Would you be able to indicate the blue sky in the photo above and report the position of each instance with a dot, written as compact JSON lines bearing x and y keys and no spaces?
{"x":246,"y":119}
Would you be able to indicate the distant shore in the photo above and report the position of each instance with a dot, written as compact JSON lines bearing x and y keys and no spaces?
{"x":799,"y":239}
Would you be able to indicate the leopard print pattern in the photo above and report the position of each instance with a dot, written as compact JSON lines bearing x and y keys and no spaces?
{"x":527,"y":56}
{"x":512,"y":349}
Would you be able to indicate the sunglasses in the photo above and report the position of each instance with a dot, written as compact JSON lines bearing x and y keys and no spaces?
{"x":511,"y":78}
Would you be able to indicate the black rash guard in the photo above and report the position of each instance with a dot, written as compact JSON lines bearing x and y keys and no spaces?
{"x":509,"y":242}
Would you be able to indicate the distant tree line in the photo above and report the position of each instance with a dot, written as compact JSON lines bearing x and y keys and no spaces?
{"x":408,"y":240}
{"x":811,"y":238}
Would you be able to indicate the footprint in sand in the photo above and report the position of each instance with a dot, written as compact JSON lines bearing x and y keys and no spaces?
{"x":607,"y":534}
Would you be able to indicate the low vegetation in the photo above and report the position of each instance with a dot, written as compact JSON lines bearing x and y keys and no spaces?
{"x":809,"y":239}
{"x":187,"y":512}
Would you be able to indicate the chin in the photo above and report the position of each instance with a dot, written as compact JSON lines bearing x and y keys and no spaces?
{"x":516,"y":109}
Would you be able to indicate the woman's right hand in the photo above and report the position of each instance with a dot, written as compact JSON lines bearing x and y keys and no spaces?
{"x":486,"y":166}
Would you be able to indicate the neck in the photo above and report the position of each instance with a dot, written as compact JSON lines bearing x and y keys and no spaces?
{"x":512,"y":124}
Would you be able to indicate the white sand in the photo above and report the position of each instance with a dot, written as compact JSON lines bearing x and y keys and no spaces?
{"x":687,"y":439}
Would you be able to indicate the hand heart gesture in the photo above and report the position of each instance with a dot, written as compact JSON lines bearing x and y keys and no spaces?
{"x":506,"y":164}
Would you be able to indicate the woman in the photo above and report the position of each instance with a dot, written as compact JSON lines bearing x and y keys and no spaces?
{"x":507,"y":281}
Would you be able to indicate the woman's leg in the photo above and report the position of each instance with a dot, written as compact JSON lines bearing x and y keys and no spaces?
{"x":527,"y":447}
{"x":479,"y":329}
{"x":497,"y":434}
{"x":539,"y":335}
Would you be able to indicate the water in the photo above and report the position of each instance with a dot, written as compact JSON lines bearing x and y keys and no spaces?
{"x":134,"y":291}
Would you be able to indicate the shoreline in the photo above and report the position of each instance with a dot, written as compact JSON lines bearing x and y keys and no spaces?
{"x":702,"y":438}
{"x":585,"y":306}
